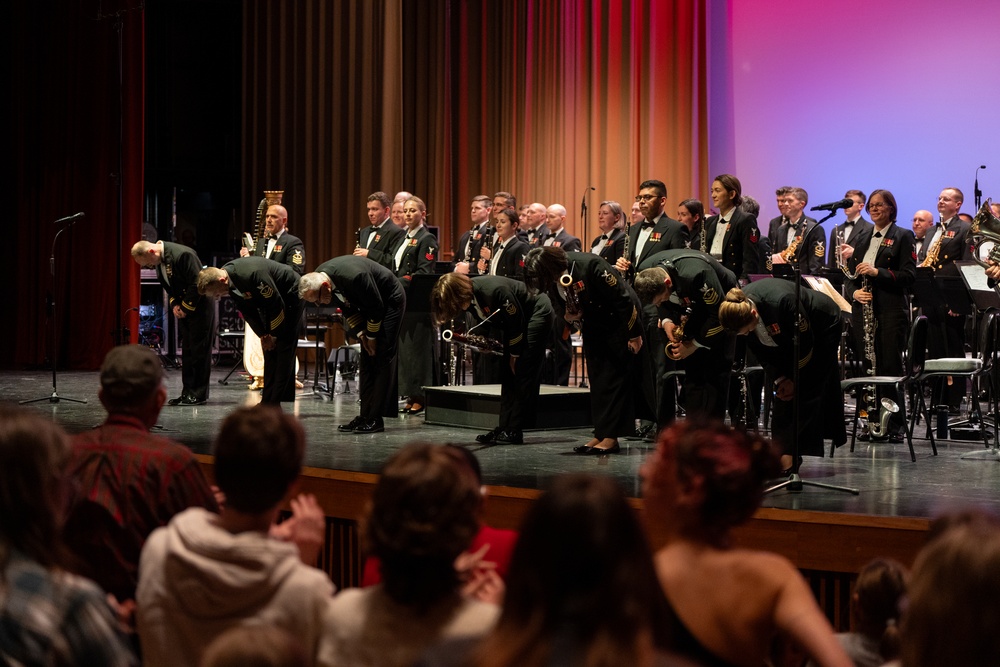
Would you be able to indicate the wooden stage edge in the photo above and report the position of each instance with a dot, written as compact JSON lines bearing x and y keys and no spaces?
{"x":815,"y":541}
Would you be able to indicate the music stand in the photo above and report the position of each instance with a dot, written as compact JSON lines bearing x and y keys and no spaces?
{"x":979,"y":296}
{"x":54,"y":397}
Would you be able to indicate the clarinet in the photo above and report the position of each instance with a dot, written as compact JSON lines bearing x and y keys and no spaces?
{"x":630,"y":271}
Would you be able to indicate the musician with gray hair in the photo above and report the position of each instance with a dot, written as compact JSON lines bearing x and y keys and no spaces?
{"x":373,"y":303}
{"x":523,"y":320}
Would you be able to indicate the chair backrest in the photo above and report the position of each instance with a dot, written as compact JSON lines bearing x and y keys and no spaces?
{"x":916,"y":347}
{"x":989,"y":332}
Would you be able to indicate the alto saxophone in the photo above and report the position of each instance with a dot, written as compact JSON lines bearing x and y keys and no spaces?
{"x":788,"y":254}
{"x":932,"y":253}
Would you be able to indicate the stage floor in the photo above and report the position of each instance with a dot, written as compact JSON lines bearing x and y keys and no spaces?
{"x":889,"y":483}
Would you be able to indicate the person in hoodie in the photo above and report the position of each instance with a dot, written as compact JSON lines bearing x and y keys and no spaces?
{"x":205,"y":573}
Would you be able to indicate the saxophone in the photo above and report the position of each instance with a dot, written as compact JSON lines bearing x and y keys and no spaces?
{"x":932,"y":253}
{"x":788,"y":254}
{"x":477,"y":342}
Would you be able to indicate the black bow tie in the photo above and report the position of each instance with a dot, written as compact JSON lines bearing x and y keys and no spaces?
{"x":646,"y":224}
{"x":605,"y":237}
{"x":272,"y":236}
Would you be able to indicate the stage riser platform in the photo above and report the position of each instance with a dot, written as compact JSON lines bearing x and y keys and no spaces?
{"x":478,"y":406}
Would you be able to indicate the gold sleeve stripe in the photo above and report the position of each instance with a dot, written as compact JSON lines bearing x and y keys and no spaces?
{"x":374,"y":327}
{"x":276,"y":322}
{"x":714,"y":330}
{"x":635,"y":315}
{"x":187,"y":306}
{"x":805,"y":360}
{"x":353,"y":321}
{"x":516,"y":339}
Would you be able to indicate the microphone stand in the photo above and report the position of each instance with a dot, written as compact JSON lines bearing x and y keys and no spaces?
{"x":54,"y":397}
{"x":795,"y":482}
{"x":584,"y":213}
{"x":977,"y":192}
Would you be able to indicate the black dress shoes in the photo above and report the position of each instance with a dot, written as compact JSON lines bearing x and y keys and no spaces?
{"x":374,"y":426}
{"x":509,"y":438}
{"x":487,"y":438}
{"x":351,"y":425}
{"x":187,"y":399}
{"x":584,"y":449}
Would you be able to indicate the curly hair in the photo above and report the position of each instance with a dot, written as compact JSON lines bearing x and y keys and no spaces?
{"x":732,"y":467}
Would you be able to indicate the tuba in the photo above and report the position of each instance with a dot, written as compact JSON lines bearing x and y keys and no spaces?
{"x":985,"y":227}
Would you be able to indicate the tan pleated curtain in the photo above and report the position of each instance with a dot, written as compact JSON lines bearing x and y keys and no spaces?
{"x":449,"y":99}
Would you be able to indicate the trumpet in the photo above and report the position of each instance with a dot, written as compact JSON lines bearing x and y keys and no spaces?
{"x":482,"y":344}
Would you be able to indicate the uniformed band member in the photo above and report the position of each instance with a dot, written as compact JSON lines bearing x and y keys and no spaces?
{"x":278,"y":244}
{"x":373,"y":304}
{"x":657,"y":232}
{"x":506,"y":257}
{"x":378,"y":241}
{"x":267,"y":294}
{"x":523,"y":320}
{"x":766,"y":312}
{"x":177,"y":269}
{"x":611,"y":243}
{"x":689,"y":285}
{"x":416,"y":255}
{"x":885,"y":268}
{"x":480,"y":233}
{"x":944,"y":244}
{"x":795,"y":227}
{"x":852,"y":231}
{"x":607,"y":310}
{"x":731,"y":237}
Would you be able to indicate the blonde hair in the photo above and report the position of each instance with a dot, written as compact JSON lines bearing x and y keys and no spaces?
{"x":736,"y":310}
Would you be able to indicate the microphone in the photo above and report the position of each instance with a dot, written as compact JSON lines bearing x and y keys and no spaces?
{"x":834,"y":205}
{"x":68,"y":218}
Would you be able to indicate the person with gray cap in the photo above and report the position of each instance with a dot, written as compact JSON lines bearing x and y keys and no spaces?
{"x":127,"y":482}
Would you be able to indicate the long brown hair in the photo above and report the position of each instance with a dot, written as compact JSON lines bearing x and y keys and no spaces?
{"x":581,"y":581}
{"x":34,"y":453}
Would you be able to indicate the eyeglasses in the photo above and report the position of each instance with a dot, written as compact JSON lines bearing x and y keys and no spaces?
{"x":877,"y":205}
{"x":641,"y":198}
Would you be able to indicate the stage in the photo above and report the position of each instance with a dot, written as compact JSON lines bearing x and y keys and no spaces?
{"x":822,"y":531}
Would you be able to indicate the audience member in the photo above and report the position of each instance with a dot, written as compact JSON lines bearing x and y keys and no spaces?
{"x":47,"y":615}
{"x":421,"y":517}
{"x":127,"y":482}
{"x":702,"y":481}
{"x":952,"y":616}
{"x":875,"y":610}
{"x":492,"y":546}
{"x":205,"y":573}
{"x":562,"y":610}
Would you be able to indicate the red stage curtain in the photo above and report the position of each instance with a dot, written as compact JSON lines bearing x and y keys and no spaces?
{"x":64,"y":140}
{"x":449,"y":99}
